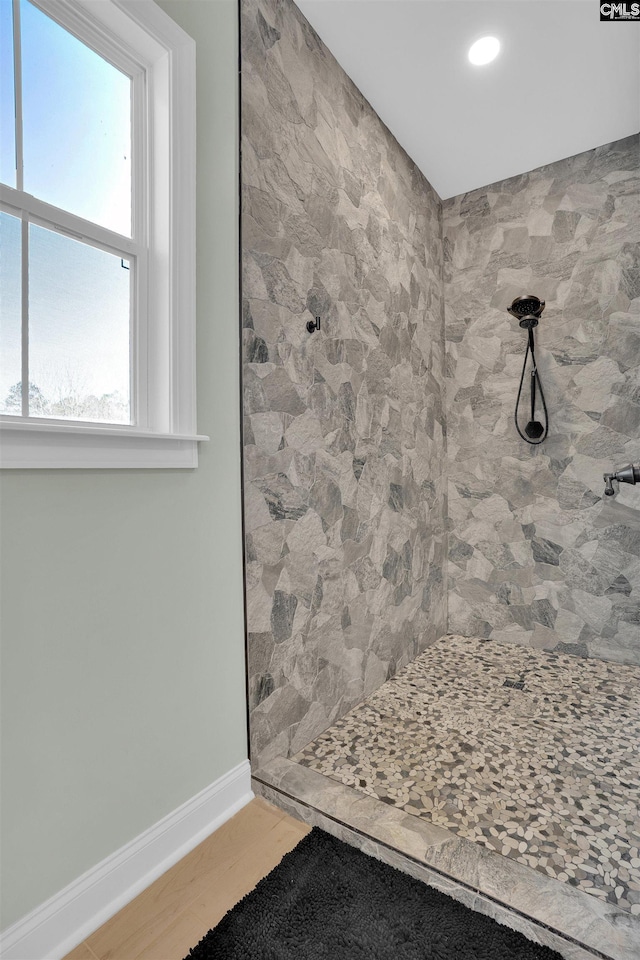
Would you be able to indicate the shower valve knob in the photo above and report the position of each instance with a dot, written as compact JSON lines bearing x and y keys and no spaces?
{"x":311,"y":326}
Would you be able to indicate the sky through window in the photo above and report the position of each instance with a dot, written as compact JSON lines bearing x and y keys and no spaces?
{"x":76,"y":126}
{"x":77,"y":156}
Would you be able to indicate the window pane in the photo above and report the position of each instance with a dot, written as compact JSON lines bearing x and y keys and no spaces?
{"x":76,"y":124}
{"x":79,"y":329}
{"x":10,"y":315}
{"x":7,"y":97}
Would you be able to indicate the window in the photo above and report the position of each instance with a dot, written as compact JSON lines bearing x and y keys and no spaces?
{"x":97,"y":210}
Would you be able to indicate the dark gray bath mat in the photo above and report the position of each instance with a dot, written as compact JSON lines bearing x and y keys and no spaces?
{"x":328,"y":901}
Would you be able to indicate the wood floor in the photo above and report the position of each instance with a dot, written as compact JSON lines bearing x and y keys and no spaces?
{"x":175,"y":912}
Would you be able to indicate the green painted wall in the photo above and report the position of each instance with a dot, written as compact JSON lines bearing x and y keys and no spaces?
{"x":123,"y":660}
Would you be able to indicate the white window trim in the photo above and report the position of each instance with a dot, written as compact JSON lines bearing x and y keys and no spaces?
{"x":168,"y":437}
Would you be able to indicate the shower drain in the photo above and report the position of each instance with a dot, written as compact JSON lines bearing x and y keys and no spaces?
{"x":516,"y":684}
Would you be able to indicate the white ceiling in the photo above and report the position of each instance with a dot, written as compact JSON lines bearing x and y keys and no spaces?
{"x":563,"y":82}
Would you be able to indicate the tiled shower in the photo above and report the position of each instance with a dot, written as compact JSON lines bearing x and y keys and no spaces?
{"x":537,"y":554}
{"x":407,"y":554}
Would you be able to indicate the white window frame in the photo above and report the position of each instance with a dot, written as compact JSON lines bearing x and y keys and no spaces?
{"x":138,"y":37}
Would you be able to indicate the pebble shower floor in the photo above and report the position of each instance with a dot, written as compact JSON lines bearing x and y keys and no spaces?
{"x":533,"y":754}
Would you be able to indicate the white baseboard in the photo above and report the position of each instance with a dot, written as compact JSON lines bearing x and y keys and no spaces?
{"x":54,"y":928}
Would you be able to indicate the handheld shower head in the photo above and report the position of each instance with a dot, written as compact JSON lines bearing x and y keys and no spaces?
{"x":527,"y":310}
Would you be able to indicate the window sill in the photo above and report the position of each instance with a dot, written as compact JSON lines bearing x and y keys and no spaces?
{"x":85,"y":446}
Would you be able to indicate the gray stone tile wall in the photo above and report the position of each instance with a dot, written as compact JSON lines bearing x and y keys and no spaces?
{"x":537,"y":555}
{"x":344,"y":428}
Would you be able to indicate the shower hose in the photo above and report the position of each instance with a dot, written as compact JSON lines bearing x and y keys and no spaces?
{"x":534,"y":376}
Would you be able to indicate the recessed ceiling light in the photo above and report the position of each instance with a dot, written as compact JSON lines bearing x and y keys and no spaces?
{"x":484,"y":50}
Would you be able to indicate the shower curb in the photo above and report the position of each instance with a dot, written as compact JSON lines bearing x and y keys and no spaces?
{"x":579,"y":928}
